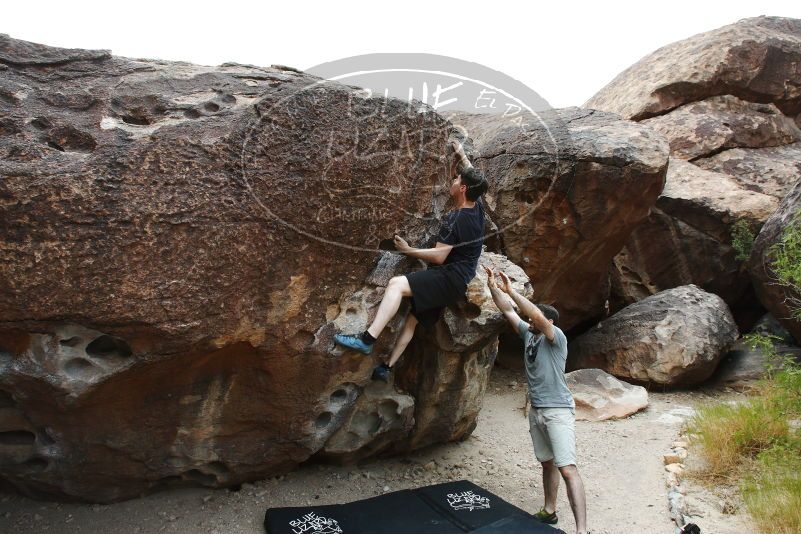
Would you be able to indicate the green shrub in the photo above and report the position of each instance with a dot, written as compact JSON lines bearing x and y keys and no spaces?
{"x":785,"y":262}
{"x":742,"y":239}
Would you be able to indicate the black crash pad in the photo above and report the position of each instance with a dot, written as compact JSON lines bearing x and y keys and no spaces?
{"x":450,"y":508}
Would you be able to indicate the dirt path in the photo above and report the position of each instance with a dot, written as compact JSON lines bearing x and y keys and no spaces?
{"x":620,"y":462}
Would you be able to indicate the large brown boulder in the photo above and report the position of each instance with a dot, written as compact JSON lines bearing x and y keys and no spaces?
{"x":777,"y":297}
{"x":771,"y":171}
{"x":443,"y":375}
{"x":719,"y":123}
{"x":687,"y":238}
{"x":674,"y":338}
{"x":180,"y":243}
{"x":721,"y":100}
{"x":565,"y":213}
{"x":756,"y":59}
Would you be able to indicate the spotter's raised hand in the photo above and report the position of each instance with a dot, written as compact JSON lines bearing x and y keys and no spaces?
{"x":506,"y":284}
{"x":490,"y":278}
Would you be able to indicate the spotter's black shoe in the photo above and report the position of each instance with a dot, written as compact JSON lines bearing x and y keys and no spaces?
{"x":382,"y":372}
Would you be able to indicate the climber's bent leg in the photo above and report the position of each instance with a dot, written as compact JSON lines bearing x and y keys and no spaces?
{"x":404,"y":339}
{"x":397,"y":288}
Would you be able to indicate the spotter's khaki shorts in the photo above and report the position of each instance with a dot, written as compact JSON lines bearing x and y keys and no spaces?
{"x":553,"y":432}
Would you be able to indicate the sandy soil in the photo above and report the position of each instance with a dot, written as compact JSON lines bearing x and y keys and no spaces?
{"x":620,"y":461}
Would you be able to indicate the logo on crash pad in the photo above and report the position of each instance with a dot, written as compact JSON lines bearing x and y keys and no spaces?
{"x":467,"y":500}
{"x":316,"y":524}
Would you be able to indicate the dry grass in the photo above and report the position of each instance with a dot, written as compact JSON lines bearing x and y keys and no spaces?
{"x":753,"y":445}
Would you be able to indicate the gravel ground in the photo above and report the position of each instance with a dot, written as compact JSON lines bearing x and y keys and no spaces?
{"x":620,"y":461}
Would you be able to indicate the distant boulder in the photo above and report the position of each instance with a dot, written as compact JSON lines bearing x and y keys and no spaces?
{"x":600,"y":396}
{"x":674,"y":338}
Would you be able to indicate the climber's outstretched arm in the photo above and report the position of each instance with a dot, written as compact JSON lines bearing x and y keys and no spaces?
{"x":529,"y":309}
{"x":460,"y":157}
{"x":436,"y":255}
{"x":501,"y":301}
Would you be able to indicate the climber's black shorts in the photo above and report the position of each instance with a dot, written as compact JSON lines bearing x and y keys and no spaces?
{"x":432,"y":290}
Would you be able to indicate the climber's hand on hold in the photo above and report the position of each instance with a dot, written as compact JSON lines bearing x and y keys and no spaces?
{"x":400,"y":244}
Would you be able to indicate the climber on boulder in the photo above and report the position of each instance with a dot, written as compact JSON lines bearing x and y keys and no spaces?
{"x":454,"y":259}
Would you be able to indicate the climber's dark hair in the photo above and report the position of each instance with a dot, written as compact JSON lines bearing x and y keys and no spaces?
{"x":475,"y":181}
{"x":549,"y":312}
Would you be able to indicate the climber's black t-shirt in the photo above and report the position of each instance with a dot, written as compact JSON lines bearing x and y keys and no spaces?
{"x":464,"y":229}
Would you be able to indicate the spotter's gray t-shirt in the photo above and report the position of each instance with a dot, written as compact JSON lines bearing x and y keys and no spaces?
{"x":545,"y":368}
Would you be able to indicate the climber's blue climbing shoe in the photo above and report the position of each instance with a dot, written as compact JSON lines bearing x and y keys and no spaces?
{"x":353,"y":342}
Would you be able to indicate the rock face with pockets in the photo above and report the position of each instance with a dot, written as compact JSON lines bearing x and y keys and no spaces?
{"x":673,"y":338}
{"x":179,"y":244}
{"x":728,"y":103}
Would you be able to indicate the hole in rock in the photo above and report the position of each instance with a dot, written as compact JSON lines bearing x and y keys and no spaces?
{"x":323,"y":420}
{"x":107,"y":346}
{"x":17,"y":437}
{"x":191,"y":114}
{"x":71,"y":139}
{"x":212,"y":107}
{"x":40,"y":123}
{"x":6,"y":400}
{"x":386,"y":244}
{"x":339,"y":396}
{"x":70,"y":342}
{"x":136,"y":121}
{"x":202,"y":478}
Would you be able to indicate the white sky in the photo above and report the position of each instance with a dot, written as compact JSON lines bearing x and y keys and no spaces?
{"x":565,"y":50}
